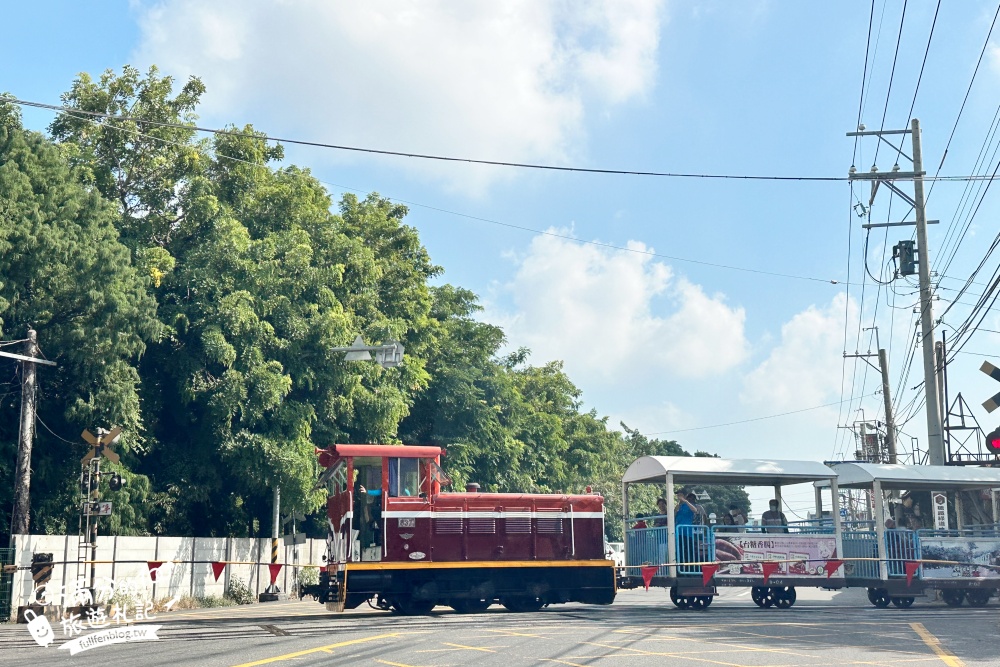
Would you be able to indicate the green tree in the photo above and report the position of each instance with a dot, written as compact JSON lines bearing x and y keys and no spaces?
{"x":64,"y":272}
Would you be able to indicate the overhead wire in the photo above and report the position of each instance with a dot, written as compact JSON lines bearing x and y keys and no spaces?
{"x":538,"y":232}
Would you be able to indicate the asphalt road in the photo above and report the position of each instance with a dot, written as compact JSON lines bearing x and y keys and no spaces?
{"x":641,"y":628}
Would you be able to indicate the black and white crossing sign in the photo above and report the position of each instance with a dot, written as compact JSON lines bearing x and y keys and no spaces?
{"x":994,"y":372}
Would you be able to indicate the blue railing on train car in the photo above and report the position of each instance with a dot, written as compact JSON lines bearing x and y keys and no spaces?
{"x":695,"y":544}
{"x":860,"y":544}
{"x":643,"y":546}
{"x":901,"y":545}
{"x":648,"y":546}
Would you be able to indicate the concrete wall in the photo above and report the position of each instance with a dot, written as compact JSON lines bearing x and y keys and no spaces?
{"x":187,"y":577}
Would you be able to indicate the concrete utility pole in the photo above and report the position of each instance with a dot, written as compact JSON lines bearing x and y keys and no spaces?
{"x":19,"y":521}
{"x":890,"y":425}
{"x":935,"y":430}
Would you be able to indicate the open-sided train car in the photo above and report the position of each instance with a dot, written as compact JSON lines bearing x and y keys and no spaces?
{"x":693,"y":560}
{"x":397,"y":540}
{"x":898,"y":563}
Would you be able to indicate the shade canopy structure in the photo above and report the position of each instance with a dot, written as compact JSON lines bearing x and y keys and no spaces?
{"x":894,"y":476}
{"x":709,"y":470}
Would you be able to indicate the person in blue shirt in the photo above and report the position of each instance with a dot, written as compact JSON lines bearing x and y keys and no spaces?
{"x":684,"y":511}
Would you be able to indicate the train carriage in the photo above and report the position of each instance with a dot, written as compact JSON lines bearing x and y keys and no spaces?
{"x":395,"y":538}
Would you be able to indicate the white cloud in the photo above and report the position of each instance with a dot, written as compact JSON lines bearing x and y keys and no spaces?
{"x":506,"y":81}
{"x":804,"y":369}
{"x":617,"y":316}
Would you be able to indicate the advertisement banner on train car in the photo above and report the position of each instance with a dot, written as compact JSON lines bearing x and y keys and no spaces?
{"x":963,"y":556}
{"x":797,"y":555}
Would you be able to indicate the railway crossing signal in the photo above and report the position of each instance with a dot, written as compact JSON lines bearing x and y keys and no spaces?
{"x":993,"y":441}
{"x":101,"y":445}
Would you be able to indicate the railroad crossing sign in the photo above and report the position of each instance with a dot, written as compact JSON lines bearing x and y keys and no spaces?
{"x":101,"y":445}
{"x":994,"y":372}
{"x":297,"y":538}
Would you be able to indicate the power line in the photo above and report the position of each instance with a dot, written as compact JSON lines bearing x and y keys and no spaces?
{"x":755,"y":419}
{"x":443,"y":158}
{"x":567,"y":237}
{"x":892,"y":75}
{"x":420,"y":156}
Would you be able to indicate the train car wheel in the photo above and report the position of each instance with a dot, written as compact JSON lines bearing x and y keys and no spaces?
{"x":784,"y":597}
{"x":903,"y":603}
{"x":977,"y":598}
{"x":470,"y":606}
{"x":879,"y":597}
{"x":522,"y":604}
{"x":674,"y":597}
{"x":696,"y":602}
{"x":953,"y":597}
{"x":757,"y":594}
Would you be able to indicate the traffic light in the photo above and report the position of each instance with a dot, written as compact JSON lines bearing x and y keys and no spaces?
{"x":904,"y":251}
{"x":115,"y":482}
{"x":993,"y":441}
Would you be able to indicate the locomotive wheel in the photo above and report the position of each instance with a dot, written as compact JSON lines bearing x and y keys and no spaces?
{"x":411,"y":607}
{"x":977,"y":598}
{"x":903,"y":603}
{"x":953,"y":597}
{"x":784,"y":597}
{"x":522,"y":604}
{"x":469,"y":606}
{"x":879,"y":597}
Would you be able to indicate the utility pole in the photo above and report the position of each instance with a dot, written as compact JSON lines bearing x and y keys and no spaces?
{"x":890,"y":425}
{"x":19,"y":522}
{"x":935,"y":430}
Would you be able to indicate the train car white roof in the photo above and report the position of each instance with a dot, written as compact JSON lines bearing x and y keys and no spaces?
{"x":710,"y":470}
{"x":930,"y":478}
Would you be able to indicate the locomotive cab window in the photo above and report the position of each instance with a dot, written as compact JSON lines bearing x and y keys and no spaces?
{"x":404,"y":477}
{"x":337,"y":481}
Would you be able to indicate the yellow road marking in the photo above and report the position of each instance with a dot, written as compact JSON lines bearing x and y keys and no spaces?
{"x":935,"y":645}
{"x":323,"y":649}
{"x":511,"y":633}
{"x":393,"y":664}
{"x":563,"y":662}
{"x":470,"y":648}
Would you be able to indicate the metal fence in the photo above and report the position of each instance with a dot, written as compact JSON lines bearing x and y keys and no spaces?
{"x":901,"y":545}
{"x":6,"y":584}
{"x":861,"y":544}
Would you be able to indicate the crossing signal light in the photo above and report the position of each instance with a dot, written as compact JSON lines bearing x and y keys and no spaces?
{"x":993,"y":441}
{"x":115,"y":482}
{"x":904,"y":250}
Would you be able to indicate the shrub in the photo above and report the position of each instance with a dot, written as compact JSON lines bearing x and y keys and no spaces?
{"x":239,"y":592}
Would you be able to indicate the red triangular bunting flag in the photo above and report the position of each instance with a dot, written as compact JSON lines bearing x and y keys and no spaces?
{"x":153,"y":565}
{"x":217,"y":569}
{"x":275,"y":568}
{"x":648,"y":571}
{"x":769,"y":568}
{"x":707,"y":572}
{"x":911,"y":567}
{"x":832,"y":566}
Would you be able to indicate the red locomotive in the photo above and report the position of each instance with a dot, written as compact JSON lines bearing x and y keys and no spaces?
{"x":394,"y":537}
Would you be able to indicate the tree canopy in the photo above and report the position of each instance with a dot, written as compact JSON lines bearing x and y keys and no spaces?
{"x":191,"y":291}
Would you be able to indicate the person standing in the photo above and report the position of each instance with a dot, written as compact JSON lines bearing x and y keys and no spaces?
{"x":773,"y":520}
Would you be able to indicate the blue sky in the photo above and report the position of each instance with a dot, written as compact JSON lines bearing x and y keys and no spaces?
{"x":764,"y":88}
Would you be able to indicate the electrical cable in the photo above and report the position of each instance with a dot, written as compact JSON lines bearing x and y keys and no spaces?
{"x":600,"y":244}
{"x":421,"y":156}
{"x":754,"y":419}
{"x":892,"y":75}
